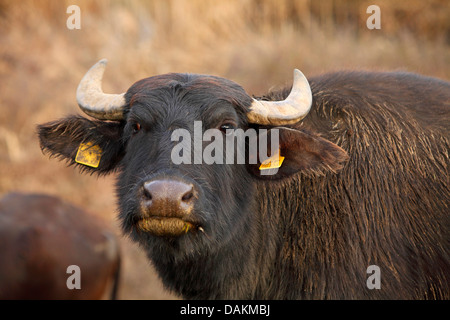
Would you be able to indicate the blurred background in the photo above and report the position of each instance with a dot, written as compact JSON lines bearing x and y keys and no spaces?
{"x":253,"y":42}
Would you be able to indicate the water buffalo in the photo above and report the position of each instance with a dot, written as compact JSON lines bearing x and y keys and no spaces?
{"x":363,"y":182}
{"x":45,"y":243}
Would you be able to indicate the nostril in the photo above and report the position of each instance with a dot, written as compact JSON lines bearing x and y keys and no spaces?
{"x":147,"y":194}
{"x":187,"y":196}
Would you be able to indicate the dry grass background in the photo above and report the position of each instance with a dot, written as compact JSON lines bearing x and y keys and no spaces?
{"x":255,"y":43}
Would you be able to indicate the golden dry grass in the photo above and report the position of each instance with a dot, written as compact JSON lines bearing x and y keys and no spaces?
{"x":255,"y":43}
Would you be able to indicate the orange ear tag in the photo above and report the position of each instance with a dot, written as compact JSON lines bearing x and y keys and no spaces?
{"x":274,"y":161}
{"x":89,"y":154}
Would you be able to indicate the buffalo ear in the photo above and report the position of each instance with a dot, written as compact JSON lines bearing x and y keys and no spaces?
{"x":62,"y":139}
{"x":302,"y":152}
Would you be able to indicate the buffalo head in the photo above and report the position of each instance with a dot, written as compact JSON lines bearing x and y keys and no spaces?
{"x":174,"y":210}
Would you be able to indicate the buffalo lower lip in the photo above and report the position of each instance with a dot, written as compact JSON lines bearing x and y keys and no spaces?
{"x":164,"y":226}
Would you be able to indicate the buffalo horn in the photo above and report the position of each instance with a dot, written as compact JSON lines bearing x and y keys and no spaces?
{"x":291,"y":110}
{"x":93,"y":101}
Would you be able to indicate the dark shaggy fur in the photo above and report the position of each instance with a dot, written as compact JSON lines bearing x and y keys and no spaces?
{"x":364,"y":182}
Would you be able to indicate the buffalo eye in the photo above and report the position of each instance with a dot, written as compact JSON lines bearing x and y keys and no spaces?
{"x":227,"y":126}
{"x":136,"y":127}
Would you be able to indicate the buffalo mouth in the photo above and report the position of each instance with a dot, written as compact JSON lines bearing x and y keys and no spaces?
{"x":166,"y":226}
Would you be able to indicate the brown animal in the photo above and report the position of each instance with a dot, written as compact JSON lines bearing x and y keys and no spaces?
{"x":40,"y":237}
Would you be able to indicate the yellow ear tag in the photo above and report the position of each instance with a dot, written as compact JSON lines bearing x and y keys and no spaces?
{"x":89,"y":154}
{"x":274,"y":161}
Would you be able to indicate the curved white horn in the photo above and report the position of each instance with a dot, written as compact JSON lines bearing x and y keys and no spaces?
{"x":93,"y":101}
{"x":291,"y":110}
